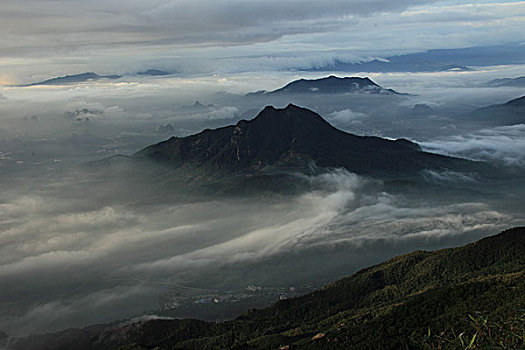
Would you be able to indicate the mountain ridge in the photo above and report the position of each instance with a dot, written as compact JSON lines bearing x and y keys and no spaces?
{"x":74,"y":78}
{"x":390,"y":305}
{"x":153,"y":72}
{"x":509,"y":113}
{"x":329,"y":85}
{"x":392,"y":64}
{"x":514,"y":82}
{"x":434,"y":60}
{"x":296,"y":138}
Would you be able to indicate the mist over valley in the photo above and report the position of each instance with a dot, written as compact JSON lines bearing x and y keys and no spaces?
{"x":166,"y":169}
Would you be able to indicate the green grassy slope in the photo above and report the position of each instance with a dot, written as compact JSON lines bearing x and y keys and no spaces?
{"x":388,"y":306}
{"x":421,"y":300}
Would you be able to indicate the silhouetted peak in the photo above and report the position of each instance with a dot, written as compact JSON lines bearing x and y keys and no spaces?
{"x":365,"y":80}
{"x":281,"y":116}
{"x":332,"y":84}
{"x":295,"y":137}
{"x":291,"y":106}
{"x":153,"y":72}
{"x":75,"y":78}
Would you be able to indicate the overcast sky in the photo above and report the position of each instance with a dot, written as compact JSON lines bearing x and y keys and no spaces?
{"x":45,"y":38}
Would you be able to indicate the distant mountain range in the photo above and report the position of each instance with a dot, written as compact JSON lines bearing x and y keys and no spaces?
{"x":434,"y":60}
{"x":329,"y":85}
{"x":391,"y":64}
{"x":153,"y":72}
{"x":515,"y":82}
{"x":73,"y":79}
{"x":90,"y":76}
{"x":509,"y":113}
{"x":297,"y":139}
{"x":444,"y":299}
{"x":197,"y":107}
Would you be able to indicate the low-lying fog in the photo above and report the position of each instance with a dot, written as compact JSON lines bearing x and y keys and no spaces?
{"x":77,"y":249}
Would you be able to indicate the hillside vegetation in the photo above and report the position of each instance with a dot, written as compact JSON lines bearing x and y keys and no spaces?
{"x":459,"y":298}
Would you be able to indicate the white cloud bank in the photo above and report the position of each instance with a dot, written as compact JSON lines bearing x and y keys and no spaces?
{"x":231,"y":36}
{"x":73,"y":257}
{"x":501,"y":144}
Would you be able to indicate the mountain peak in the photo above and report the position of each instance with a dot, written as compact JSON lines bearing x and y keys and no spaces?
{"x":153,"y":72}
{"x":75,"y":78}
{"x":291,"y":106}
{"x":331,"y":85}
{"x":288,"y":109}
{"x":364,"y":81}
{"x":294,"y":138}
{"x":290,"y":117}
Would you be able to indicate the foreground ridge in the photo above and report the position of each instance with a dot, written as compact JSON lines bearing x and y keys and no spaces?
{"x":397,"y":304}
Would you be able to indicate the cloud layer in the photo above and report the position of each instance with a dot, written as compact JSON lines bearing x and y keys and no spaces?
{"x":504,"y":144}
{"x":231,"y":36}
{"x":84,"y":260}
